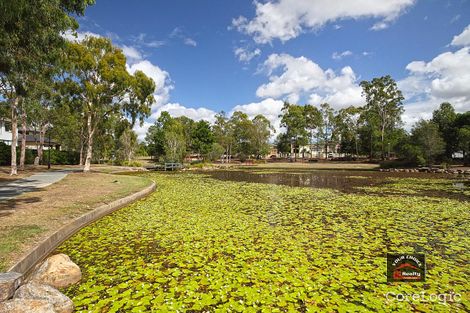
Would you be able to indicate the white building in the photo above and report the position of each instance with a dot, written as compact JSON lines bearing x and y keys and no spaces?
{"x":5,"y":131}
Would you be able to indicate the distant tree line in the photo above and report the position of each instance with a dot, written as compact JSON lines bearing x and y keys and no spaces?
{"x":174,"y":139}
{"x":375,"y":129}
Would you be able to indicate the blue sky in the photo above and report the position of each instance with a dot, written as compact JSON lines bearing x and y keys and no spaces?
{"x":208,"y":56}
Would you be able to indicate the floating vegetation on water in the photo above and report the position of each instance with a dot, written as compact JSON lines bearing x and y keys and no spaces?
{"x":410,"y":186}
{"x":200,"y":244}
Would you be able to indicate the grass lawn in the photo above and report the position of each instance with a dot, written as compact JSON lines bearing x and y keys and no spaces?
{"x":199,"y":244}
{"x":31,"y":217}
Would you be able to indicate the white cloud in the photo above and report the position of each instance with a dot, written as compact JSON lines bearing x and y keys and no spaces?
{"x":463,"y":39}
{"x":301,"y":77}
{"x":340,"y":55}
{"x":455,"y":18}
{"x":287,"y":19}
{"x":190,"y":42}
{"x":177,"y":110}
{"x":78,"y":36}
{"x":380,"y":25}
{"x":270,"y":108}
{"x":446,"y":78}
{"x":131,"y":53}
{"x":245,"y":55}
{"x":160,"y":77}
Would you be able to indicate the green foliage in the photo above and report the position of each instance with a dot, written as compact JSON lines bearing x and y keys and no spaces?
{"x":61,"y":157}
{"x":445,"y":117}
{"x":215,"y":152}
{"x":426,"y":137}
{"x":383,"y":107}
{"x":203,"y":245}
{"x":202,"y":137}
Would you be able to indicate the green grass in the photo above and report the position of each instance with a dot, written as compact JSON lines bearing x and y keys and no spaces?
{"x":12,"y":237}
{"x":203,"y":245}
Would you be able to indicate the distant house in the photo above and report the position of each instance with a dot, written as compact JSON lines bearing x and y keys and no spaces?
{"x":5,"y":131}
{"x":32,"y":137}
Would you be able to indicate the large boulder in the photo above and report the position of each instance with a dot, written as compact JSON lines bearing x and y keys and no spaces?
{"x":26,"y":305}
{"x":9,"y":282}
{"x":57,"y":271}
{"x":38,"y":291}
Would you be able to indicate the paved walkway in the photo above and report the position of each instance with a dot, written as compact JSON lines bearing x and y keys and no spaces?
{"x":40,"y":180}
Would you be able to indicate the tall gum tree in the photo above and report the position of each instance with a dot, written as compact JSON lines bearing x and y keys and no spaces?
{"x":96,"y":75}
{"x":384,"y":100}
{"x":30,"y":38}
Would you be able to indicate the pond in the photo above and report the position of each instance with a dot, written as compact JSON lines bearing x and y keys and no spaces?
{"x":357,"y":181}
{"x":221,"y":242}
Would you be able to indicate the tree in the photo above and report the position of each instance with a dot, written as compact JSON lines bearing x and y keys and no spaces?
{"x":242,"y":132}
{"x":348,"y":122}
{"x":127,"y":145}
{"x":31,"y":38}
{"x":293,"y":119}
{"x":175,"y":143}
{"x":98,"y":78}
{"x":166,"y":138}
{"x":202,"y":137}
{"x":223,"y":133}
{"x":327,"y":128}
{"x":261,"y":132}
{"x":283,"y":143}
{"x":463,"y":135}
{"x":313,"y":121}
{"x":383,"y":102}
{"x":445,"y":117}
{"x":425,"y":135}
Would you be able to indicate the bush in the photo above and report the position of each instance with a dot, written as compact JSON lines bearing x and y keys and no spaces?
{"x":61,"y":157}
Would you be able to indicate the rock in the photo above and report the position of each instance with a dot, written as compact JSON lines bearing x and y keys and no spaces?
{"x":9,"y":282}
{"x":38,"y":291}
{"x":57,"y":271}
{"x":26,"y":305}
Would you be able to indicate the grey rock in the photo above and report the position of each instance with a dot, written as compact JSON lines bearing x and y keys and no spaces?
{"x":26,"y":306}
{"x":9,"y":282}
{"x":38,"y":291}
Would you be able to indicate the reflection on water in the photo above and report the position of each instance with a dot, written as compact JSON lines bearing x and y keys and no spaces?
{"x":346,"y":181}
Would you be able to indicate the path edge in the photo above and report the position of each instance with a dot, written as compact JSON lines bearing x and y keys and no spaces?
{"x":41,"y":251}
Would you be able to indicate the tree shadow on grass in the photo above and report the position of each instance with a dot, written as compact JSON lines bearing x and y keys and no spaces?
{"x":9,"y":206}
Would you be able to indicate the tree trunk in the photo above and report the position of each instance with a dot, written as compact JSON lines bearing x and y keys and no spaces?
{"x":23,"y":137}
{"x":357,"y":148}
{"x":382,"y":138}
{"x":89,"y":151}
{"x":14,"y":129}
{"x":42,"y":136}
{"x":82,"y":147}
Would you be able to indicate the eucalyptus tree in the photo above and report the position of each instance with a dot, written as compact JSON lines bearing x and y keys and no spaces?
{"x":426,"y":136}
{"x":96,"y":75}
{"x":313,"y":121}
{"x":383,"y":103}
{"x":261,"y":133}
{"x":31,"y":38}
{"x":242,"y":132}
{"x":445,"y":118}
{"x":223,"y":133}
{"x":348,"y":121}
{"x":293,"y":119}
{"x":328,"y":126}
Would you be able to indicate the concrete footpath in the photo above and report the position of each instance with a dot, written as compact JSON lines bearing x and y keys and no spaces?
{"x":15,"y":188}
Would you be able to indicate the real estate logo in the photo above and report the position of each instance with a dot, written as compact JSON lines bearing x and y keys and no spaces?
{"x":406,"y":267}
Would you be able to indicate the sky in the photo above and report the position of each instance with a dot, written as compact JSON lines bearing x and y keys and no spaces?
{"x":220,"y":55}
